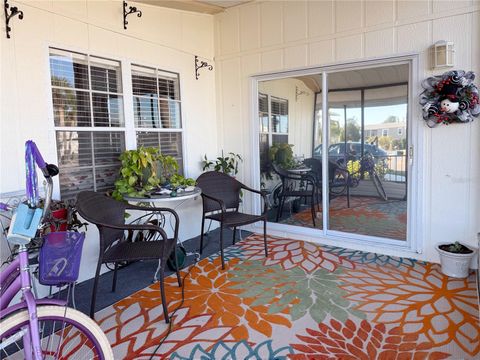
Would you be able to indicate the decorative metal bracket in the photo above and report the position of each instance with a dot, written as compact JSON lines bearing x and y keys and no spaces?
{"x":13,"y":12}
{"x":299,"y":93}
{"x":202,"y":65}
{"x":131,"y":10}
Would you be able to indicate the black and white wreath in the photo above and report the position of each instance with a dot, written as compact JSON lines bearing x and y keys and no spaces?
{"x":450,"y":98}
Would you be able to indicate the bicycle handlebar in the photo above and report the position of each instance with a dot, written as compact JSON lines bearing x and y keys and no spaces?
{"x":32,"y":157}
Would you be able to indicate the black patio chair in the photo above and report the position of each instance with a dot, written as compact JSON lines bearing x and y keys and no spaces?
{"x":295,"y":185}
{"x":109,"y":217}
{"x":337,"y":179}
{"x":221,"y":200}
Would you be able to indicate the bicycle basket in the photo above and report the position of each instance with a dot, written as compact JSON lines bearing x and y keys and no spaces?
{"x":59,"y":260}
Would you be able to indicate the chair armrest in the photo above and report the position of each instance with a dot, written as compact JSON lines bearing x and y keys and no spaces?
{"x":219,"y":201}
{"x":138,"y":227}
{"x":262,"y":193}
{"x":158,"y":209}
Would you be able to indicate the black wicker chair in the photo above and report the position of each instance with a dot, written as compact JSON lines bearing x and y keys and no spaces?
{"x":295,"y":185}
{"x":109,"y":217}
{"x":337,"y":179}
{"x":221,"y":200}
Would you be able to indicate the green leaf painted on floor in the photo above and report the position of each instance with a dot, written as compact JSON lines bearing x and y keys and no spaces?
{"x":317,"y":294}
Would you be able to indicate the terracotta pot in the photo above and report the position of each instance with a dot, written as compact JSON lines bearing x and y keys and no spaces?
{"x":62,"y":215}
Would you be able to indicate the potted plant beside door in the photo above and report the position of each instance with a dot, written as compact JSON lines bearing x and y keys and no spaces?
{"x":455,"y":259}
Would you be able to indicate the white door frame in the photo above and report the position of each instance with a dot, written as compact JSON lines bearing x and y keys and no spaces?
{"x":415,"y":210}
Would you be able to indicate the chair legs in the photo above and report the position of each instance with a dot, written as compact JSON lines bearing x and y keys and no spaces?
{"x":162,"y":292}
{"x":221,"y":246}
{"x":280,"y":208}
{"x":348,"y":196}
{"x":233,"y":237}
{"x":265,"y":236}
{"x":313,"y":210}
{"x":114,"y":282}
{"x":179,"y":278}
{"x":201,"y":235}
{"x":95,"y":286}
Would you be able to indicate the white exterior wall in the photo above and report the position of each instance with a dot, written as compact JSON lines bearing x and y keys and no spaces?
{"x":168,"y":39}
{"x":271,"y":36}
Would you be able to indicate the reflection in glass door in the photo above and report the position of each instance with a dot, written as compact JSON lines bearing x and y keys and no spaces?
{"x":360,"y":183}
{"x":367,"y":147}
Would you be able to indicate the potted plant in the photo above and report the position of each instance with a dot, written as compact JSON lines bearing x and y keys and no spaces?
{"x":63,"y":217}
{"x":227,"y":164}
{"x":455,"y":259}
{"x":142,"y":171}
{"x":282,"y":154}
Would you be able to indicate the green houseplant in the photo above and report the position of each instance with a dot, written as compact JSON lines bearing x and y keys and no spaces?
{"x":227,"y":164}
{"x":455,"y":259}
{"x":138,"y":173}
{"x":142,"y":171}
{"x":281,"y":154}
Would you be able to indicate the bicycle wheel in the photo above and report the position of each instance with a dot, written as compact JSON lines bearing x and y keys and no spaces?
{"x":378,"y":185}
{"x":65,"y":333}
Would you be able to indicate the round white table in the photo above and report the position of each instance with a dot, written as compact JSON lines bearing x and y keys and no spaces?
{"x":300,"y":170}
{"x":153,"y":199}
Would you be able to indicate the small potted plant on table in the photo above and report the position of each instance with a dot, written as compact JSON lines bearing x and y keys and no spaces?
{"x":455,"y":259}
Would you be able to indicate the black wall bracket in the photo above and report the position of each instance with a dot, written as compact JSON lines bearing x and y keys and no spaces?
{"x":201,"y":64}
{"x":131,"y":10}
{"x":13,"y":12}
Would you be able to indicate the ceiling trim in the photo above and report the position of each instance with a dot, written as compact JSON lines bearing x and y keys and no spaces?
{"x":191,"y":5}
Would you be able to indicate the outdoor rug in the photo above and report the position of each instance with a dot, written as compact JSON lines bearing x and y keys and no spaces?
{"x":366,"y":215}
{"x":302,"y":302}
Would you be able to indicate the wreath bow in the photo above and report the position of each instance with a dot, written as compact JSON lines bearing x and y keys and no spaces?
{"x":450,"y":98}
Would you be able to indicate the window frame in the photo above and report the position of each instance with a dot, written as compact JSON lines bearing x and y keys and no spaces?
{"x":270,"y":131}
{"x":159,"y":130}
{"x":128,"y":128}
{"x":416,"y":194}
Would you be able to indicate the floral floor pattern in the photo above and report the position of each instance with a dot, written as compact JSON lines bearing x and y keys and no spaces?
{"x":366,"y":215}
{"x":304,"y":301}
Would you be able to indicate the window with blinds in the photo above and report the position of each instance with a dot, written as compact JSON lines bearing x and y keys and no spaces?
{"x":156,"y":110}
{"x":89,"y":120}
{"x":273,"y":116}
{"x":279,"y":115}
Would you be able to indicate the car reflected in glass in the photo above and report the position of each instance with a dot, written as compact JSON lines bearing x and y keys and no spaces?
{"x":336,"y":152}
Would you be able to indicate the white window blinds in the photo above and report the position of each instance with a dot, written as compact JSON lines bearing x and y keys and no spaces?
{"x":157,"y":110}
{"x":89,"y":121}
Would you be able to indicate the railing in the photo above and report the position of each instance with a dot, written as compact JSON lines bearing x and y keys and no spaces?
{"x":396,"y":168}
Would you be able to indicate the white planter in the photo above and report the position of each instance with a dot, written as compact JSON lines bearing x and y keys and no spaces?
{"x":455,"y":265}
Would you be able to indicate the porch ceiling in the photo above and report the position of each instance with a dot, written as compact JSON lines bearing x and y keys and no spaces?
{"x":201,"y":6}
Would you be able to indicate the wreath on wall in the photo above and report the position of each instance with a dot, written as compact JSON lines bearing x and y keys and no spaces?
{"x":450,"y":98}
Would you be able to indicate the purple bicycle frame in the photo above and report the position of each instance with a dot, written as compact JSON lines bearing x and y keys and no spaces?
{"x":20,"y":266}
{"x":23,"y":283}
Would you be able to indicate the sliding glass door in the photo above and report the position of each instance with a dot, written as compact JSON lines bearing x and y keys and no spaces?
{"x":367,"y":147}
{"x":349,"y":170}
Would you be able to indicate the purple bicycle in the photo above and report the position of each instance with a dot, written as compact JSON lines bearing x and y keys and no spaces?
{"x":40,"y":328}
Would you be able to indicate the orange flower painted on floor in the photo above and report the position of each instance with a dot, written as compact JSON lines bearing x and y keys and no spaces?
{"x":209,"y":290}
{"x":418,"y":299}
{"x":351,"y":341}
{"x":370,"y":307}
{"x":136,"y":332}
{"x":291,"y":254}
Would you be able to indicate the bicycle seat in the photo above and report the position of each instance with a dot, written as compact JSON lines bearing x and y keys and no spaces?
{"x":52,"y":170}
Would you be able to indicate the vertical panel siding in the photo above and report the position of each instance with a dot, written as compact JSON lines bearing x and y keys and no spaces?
{"x":339,"y":31}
